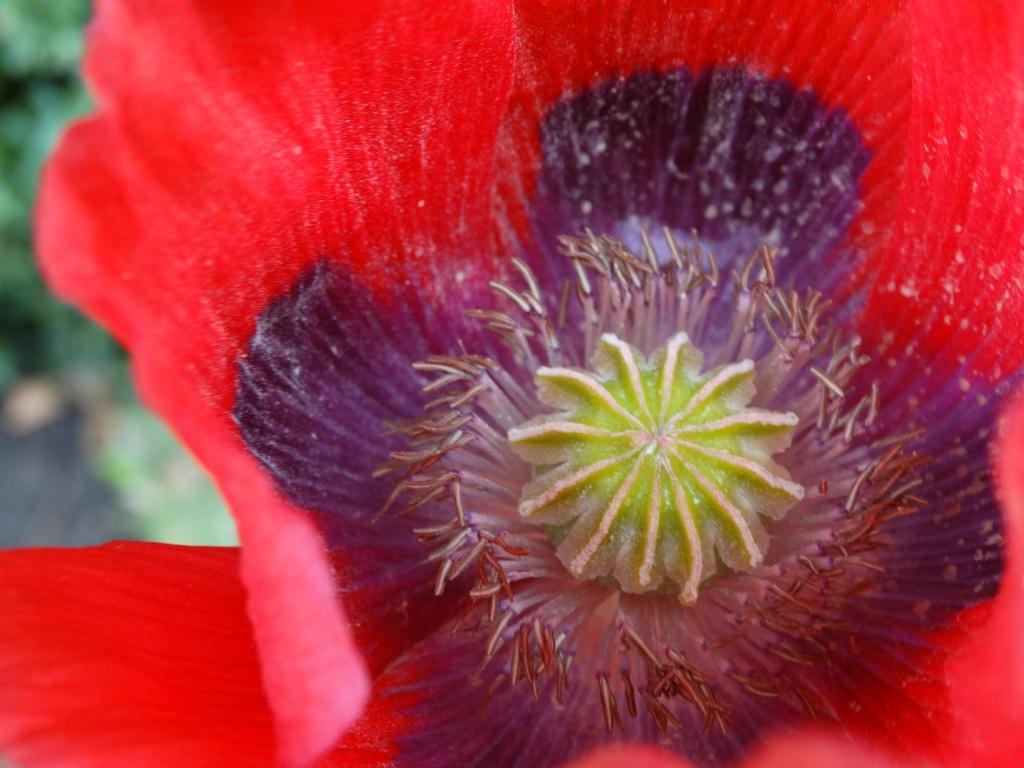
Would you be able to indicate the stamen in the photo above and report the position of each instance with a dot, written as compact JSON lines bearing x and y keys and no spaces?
{"x":622,"y":500}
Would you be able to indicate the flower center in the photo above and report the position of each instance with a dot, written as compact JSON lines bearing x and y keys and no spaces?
{"x":618,"y":481}
{"x":649,"y":466}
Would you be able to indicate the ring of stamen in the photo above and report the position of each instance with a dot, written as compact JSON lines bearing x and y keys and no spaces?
{"x":487,"y":463}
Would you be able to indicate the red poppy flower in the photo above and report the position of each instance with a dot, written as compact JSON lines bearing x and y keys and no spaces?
{"x":519,"y":469}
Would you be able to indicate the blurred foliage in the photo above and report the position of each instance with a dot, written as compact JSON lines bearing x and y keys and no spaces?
{"x":40,"y":46}
{"x":168,"y":496}
{"x":160,"y":484}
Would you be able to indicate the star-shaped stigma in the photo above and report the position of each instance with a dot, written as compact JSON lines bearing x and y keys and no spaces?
{"x":649,"y":467}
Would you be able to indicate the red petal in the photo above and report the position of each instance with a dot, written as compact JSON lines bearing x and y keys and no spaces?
{"x":816,"y":750}
{"x":236,"y":144}
{"x":374,"y":740}
{"x":629,"y":756}
{"x":988,"y":676}
{"x":312,"y":672}
{"x":129,"y":654}
{"x":809,"y":750}
{"x":952,"y":275}
{"x":849,"y":53}
{"x":855,"y":55}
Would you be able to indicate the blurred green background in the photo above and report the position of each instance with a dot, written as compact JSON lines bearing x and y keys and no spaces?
{"x":81,"y":461}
